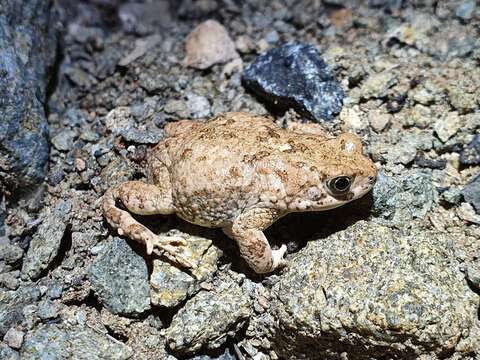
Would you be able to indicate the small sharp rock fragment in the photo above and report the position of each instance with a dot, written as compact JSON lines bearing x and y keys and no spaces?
{"x":295,"y":75}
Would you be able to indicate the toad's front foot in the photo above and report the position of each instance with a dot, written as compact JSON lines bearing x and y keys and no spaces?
{"x":278,"y":257}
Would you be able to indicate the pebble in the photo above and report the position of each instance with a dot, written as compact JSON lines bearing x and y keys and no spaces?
{"x":193,"y":106}
{"x":466,"y":10}
{"x":10,"y":280}
{"x":295,"y":75}
{"x":14,"y":338}
{"x":470,"y":155}
{"x":47,"y":310}
{"x":446,"y":127}
{"x":63,"y":141}
{"x":377,"y":85}
{"x":379,"y":121}
{"x":209,"y":44}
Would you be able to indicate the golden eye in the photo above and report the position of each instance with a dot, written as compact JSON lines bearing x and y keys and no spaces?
{"x":339,"y":185}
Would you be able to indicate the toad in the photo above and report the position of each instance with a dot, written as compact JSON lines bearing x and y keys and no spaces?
{"x":240,"y":173}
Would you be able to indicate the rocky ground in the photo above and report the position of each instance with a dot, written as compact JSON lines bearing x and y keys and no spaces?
{"x":393,"y":275}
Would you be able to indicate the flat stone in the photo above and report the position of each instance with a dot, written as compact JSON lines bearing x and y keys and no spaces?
{"x":47,"y":240}
{"x":169,"y":285}
{"x":398,"y":293}
{"x":295,"y":75}
{"x":212,"y":318}
{"x":209,"y":44}
{"x":63,"y":341}
{"x":119,"y":279}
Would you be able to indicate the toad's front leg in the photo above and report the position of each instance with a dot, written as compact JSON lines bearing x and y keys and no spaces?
{"x":247,"y":230}
{"x":143,"y":199}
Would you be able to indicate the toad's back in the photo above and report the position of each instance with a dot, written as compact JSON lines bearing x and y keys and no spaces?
{"x":230,"y":163}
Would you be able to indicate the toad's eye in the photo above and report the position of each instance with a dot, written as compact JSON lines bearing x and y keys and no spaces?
{"x":339,"y":185}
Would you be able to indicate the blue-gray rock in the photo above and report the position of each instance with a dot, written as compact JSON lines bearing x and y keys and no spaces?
{"x":399,"y":200}
{"x":28,"y":50}
{"x":53,"y":341}
{"x":46,"y":242}
{"x":12,"y":304}
{"x":470,"y":155}
{"x":466,"y":10}
{"x":471,"y":192}
{"x":119,"y":278}
{"x":295,"y":75}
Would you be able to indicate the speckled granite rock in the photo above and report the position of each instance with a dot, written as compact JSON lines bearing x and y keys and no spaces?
{"x":28,"y":48}
{"x":169,"y":285}
{"x":119,"y":279}
{"x":53,"y":341}
{"x":398,"y":200}
{"x":470,"y":155}
{"x":295,"y":75}
{"x":212,"y":317}
{"x":47,"y":240}
{"x":374,"y":292}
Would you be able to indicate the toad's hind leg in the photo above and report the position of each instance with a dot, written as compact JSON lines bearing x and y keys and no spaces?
{"x":247,"y":230}
{"x":143,"y":199}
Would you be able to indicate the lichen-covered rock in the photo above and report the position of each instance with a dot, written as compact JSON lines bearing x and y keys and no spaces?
{"x":28,"y":48}
{"x":210,"y":318}
{"x":374,"y":292}
{"x":170,"y":285}
{"x":47,"y":240}
{"x":54,"y":341}
{"x":295,"y":75}
{"x":119,"y":278}
{"x":398,"y":200}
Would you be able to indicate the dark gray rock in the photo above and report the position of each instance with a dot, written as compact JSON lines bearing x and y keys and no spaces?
{"x":400,"y":199}
{"x":12,"y":304}
{"x":470,"y":155}
{"x":64,"y":341}
{"x":119,"y":278}
{"x":46,"y":242}
{"x":471,"y":192}
{"x":28,"y":48}
{"x":372,"y":292}
{"x":295,"y":75}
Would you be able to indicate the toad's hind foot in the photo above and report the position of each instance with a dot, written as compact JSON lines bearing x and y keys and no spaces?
{"x":172,"y":253}
{"x":161,"y":241}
